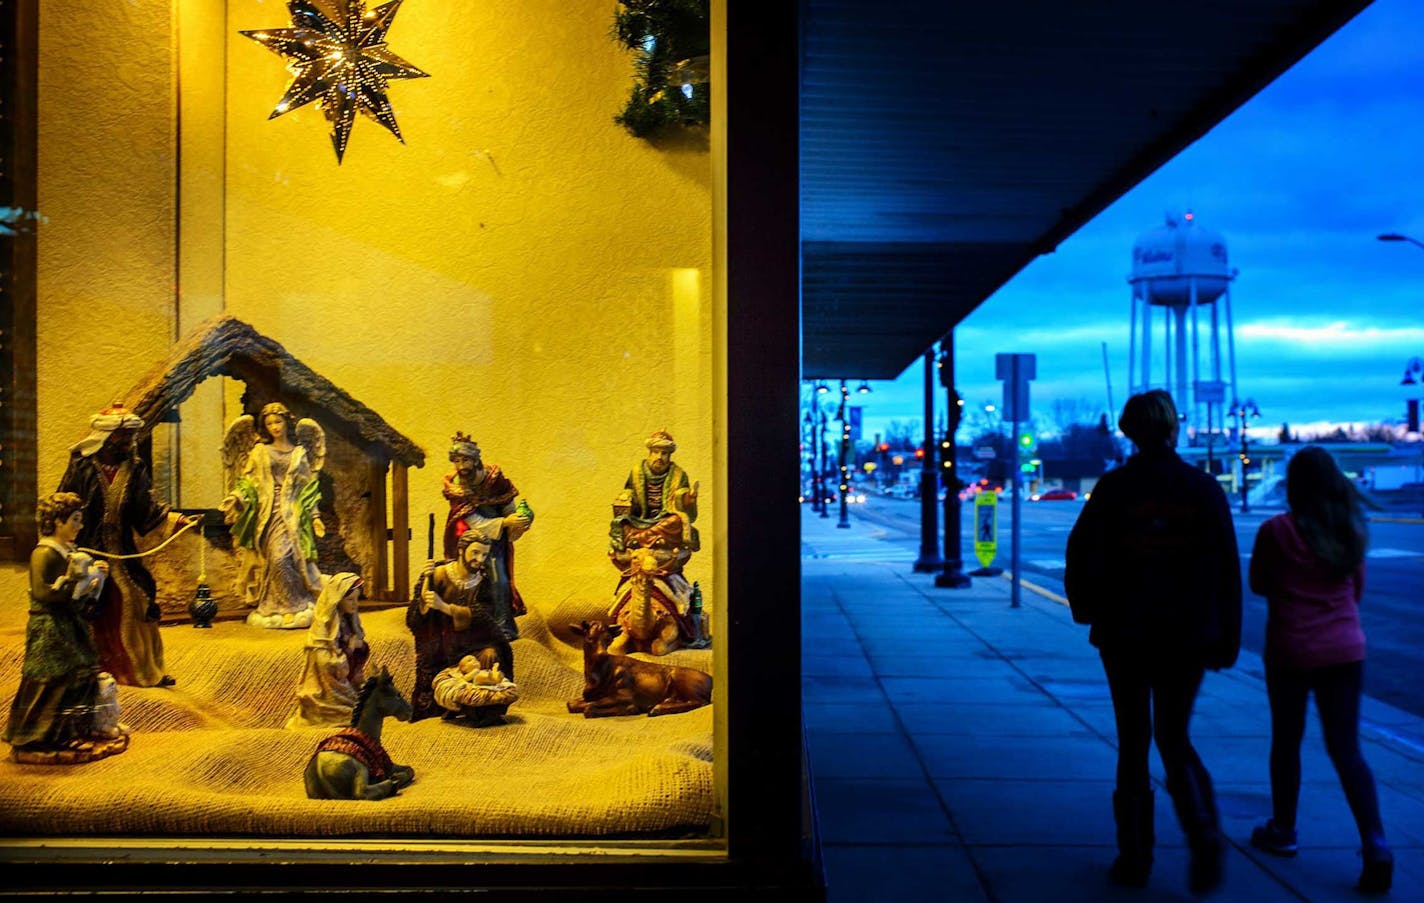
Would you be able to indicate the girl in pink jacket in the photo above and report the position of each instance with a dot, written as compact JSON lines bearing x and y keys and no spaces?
{"x":1309,"y":563}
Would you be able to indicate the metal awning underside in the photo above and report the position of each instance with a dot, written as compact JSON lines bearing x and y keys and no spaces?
{"x":944,"y":145}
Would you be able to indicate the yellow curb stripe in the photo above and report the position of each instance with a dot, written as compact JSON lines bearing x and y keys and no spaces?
{"x":1034,"y":587}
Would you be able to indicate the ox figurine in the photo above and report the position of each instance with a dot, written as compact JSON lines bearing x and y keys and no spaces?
{"x":619,"y":685}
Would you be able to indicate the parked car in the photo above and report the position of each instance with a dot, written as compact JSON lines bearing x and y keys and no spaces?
{"x":984,"y":485}
{"x":1054,"y":495}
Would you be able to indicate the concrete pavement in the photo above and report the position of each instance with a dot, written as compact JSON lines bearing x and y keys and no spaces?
{"x":964,"y":750}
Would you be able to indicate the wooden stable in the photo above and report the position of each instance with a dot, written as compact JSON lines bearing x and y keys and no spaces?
{"x":363,"y":450}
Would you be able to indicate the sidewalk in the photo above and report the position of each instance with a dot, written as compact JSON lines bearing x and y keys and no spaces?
{"x":964,"y":750}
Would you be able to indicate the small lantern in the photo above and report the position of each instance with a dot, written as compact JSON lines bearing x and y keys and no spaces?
{"x":203,"y":607}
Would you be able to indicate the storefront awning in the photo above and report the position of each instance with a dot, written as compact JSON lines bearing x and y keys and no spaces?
{"x":944,"y":146}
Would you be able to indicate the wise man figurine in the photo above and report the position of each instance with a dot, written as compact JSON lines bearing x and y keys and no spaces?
{"x":657,"y":506}
{"x":113,"y":480}
{"x":484,"y":500}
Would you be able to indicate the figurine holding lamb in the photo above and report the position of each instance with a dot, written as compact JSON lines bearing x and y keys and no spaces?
{"x":66,"y":710}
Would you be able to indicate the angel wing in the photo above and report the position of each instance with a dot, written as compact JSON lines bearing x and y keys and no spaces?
{"x":241,"y":435}
{"x":312,"y":437}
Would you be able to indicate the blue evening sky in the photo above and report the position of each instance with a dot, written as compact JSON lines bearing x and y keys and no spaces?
{"x":1298,"y":181}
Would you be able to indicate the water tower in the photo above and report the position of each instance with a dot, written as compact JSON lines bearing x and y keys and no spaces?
{"x":1180,"y":269}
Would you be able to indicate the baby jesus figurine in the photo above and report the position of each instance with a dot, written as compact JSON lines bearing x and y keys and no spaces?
{"x":481,"y":676}
{"x":475,"y":688}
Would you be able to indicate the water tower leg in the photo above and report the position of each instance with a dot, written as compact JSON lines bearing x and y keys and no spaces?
{"x":1146,"y":369}
{"x":1196,"y":402}
{"x":1231,"y":345}
{"x":1167,"y":348}
{"x":1215,"y":343}
{"x":1131,"y":349}
{"x":1182,"y":391}
{"x":1216,"y":363}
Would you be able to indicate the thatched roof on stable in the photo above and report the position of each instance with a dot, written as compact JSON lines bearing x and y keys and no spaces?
{"x":226,"y":346}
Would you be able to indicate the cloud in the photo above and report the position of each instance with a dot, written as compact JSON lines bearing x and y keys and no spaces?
{"x":1299,"y":181}
{"x":1330,"y":339}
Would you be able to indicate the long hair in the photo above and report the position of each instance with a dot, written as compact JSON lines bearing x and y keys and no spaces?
{"x":275,"y":407}
{"x":1327,"y":509}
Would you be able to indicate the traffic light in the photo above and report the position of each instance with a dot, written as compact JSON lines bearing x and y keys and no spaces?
{"x":1027,"y":449}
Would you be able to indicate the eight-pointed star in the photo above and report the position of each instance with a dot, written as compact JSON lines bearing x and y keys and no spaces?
{"x":337,"y":54}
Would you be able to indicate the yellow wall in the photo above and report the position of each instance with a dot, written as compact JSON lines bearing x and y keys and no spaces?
{"x":106,"y":253}
{"x":521,"y":269}
{"x":107,"y":170}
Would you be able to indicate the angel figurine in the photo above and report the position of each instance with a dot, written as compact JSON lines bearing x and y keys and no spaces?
{"x":272,"y":506}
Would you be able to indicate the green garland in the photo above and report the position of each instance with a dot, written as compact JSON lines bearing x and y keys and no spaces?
{"x":672,"y":42}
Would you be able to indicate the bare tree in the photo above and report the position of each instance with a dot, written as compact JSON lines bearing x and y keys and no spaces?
{"x":1067,"y":412}
{"x":903,"y":435}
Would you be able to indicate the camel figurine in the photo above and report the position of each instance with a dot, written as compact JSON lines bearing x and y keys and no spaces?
{"x":619,"y":685}
{"x":352,"y":764}
{"x":646,"y":605}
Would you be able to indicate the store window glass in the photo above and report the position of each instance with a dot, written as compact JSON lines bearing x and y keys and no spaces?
{"x":379,"y":338}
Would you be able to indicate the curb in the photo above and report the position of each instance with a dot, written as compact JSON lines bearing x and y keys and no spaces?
{"x":1035,"y":588}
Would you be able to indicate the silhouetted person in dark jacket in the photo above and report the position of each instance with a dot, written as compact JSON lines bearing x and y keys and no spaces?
{"x":1152,"y":565}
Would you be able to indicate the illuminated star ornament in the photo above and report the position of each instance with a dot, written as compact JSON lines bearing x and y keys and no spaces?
{"x":337,"y":54}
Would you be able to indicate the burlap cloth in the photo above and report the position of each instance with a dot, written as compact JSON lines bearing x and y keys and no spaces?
{"x":211,"y":756}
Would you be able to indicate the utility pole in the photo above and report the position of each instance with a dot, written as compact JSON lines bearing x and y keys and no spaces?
{"x":952,"y":576}
{"x":929,"y":560}
{"x":844,"y":522}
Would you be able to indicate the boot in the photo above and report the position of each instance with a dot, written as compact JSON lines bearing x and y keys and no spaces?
{"x":1378,"y":872}
{"x":1195,"y":802}
{"x":1135,"y":837}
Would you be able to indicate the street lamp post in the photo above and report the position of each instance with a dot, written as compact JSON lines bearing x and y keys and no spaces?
{"x":1241,"y":410}
{"x":821,"y":389}
{"x":928,"y":561}
{"x":813,"y":442}
{"x":1415,"y":367}
{"x":844,"y":522}
{"x":952,"y":575}
{"x":1395,"y":236}
{"x":807,"y":445}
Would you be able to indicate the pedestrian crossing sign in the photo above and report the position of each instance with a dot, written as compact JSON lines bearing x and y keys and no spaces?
{"x":986,"y":527}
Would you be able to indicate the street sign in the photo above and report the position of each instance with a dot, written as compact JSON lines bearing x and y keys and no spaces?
{"x":1015,"y":370}
{"x":985,"y":452}
{"x":986,"y":527}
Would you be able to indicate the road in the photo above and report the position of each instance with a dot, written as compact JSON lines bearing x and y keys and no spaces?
{"x":1392,"y":611}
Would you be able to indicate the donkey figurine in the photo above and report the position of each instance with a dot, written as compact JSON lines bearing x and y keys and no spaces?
{"x":619,"y":685}
{"x":352,"y":764}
